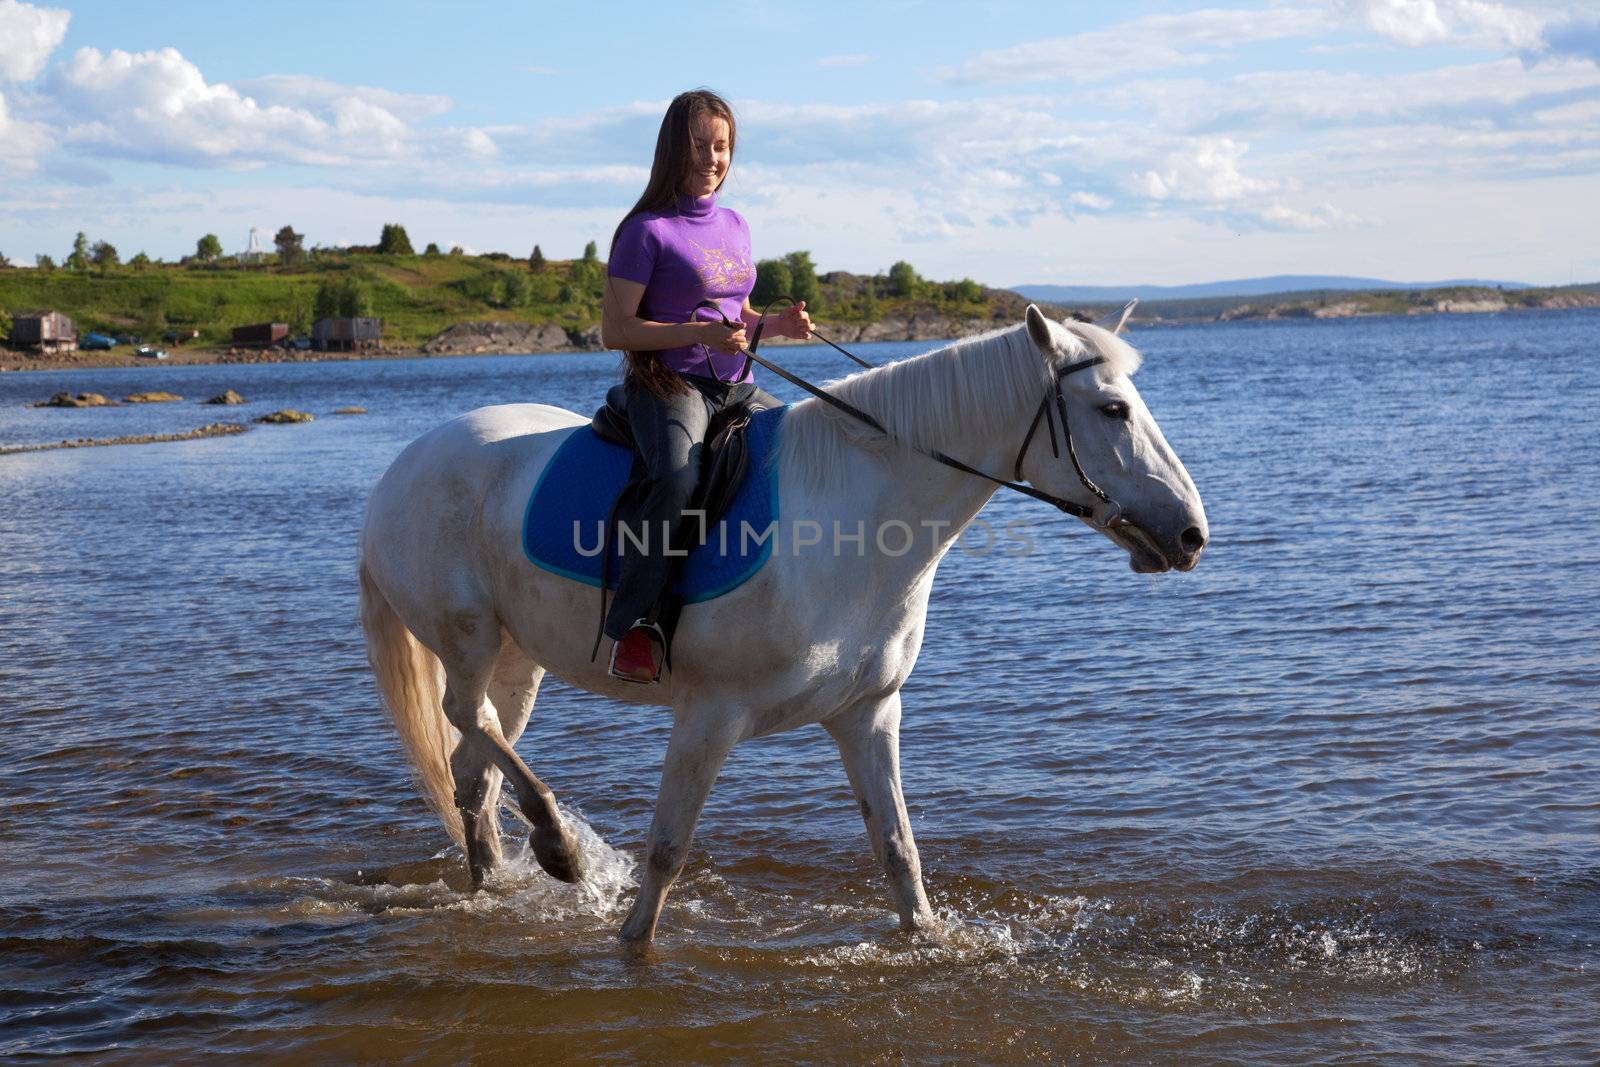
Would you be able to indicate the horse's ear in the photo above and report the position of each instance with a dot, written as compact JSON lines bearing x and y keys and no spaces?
{"x":1118,"y":319}
{"x":1039,"y":329}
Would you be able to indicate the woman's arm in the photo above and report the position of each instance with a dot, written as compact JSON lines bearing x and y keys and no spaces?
{"x":621,"y":327}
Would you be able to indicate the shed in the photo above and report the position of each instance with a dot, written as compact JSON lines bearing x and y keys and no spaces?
{"x":345,"y":334}
{"x":46,"y":331}
{"x":261,"y":335}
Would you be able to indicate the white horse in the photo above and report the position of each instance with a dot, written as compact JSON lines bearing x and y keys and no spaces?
{"x":461,"y":628}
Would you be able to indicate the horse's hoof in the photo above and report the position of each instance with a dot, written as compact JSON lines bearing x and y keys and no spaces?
{"x":557,"y":853}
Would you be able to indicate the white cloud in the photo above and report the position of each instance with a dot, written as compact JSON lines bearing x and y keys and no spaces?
{"x":319,"y":94}
{"x":1415,"y":23}
{"x":852,"y":59}
{"x":1306,"y":102}
{"x":1154,"y":42}
{"x":24,"y":142}
{"x":1204,"y":171}
{"x":1093,"y":201}
{"x":1320,"y":217}
{"x":28,"y":35}
{"x":159,"y":107}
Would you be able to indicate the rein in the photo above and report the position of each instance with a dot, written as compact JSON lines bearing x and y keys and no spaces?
{"x":1015,"y":483}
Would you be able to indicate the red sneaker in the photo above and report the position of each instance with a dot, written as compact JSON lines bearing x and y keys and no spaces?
{"x":637,"y":656}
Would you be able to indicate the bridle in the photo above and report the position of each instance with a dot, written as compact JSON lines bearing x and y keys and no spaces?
{"x":1102,"y":516}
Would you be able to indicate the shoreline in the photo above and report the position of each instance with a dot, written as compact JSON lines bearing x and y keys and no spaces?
{"x":14,"y":362}
{"x":215,"y":429}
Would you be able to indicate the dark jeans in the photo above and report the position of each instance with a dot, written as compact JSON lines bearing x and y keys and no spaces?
{"x":669,"y":433}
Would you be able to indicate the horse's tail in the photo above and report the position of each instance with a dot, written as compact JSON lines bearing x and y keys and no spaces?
{"x":411,"y":680}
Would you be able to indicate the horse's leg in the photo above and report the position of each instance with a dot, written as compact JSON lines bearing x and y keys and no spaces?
{"x":868,"y":736}
{"x":512,"y":689}
{"x":469,"y":665}
{"x":700,"y":742}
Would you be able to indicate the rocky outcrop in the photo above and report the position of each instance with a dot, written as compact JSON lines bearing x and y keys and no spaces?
{"x":1347,"y":309}
{"x":1460,"y":305}
{"x":920,"y":327}
{"x":74,"y":400}
{"x":215,"y":429}
{"x":468,"y":338}
{"x":287,"y":415}
{"x":227,"y":396}
{"x":1558,"y":301}
{"x":1274,"y":312}
{"x":352,"y":410}
{"x":154,"y":396}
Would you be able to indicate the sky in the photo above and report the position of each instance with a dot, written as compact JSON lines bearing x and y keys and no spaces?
{"x":1011,"y":142}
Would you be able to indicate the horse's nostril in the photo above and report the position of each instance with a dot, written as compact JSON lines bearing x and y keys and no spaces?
{"x":1192,"y":539}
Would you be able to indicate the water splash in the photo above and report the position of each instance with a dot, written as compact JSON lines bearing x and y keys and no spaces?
{"x":519,"y":889}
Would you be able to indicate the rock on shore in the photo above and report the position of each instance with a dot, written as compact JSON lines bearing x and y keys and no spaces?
{"x":287,"y":415}
{"x":74,"y":400}
{"x":227,"y":396}
{"x":468,"y":338}
{"x":156,"y":396}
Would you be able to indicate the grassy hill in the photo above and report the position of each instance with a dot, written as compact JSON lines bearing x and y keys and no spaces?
{"x":416,"y":296}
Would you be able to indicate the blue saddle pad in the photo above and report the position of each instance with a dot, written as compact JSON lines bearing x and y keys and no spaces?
{"x":562,"y":527}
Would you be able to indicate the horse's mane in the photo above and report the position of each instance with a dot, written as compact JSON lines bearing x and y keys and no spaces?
{"x":979,"y":384}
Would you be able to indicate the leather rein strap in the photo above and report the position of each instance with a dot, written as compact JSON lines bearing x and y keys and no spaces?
{"x":1071,"y":507}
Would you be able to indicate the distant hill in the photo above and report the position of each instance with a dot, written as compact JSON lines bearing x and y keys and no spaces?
{"x":1278,"y":283}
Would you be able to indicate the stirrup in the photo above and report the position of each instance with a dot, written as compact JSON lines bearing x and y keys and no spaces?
{"x":657,"y":643}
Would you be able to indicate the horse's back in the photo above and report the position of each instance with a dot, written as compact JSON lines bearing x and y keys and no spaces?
{"x":429,"y":511}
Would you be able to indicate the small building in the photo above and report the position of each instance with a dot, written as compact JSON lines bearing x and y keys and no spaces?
{"x":345,"y":335}
{"x":44,"y":331}
{"x":261,"y":335}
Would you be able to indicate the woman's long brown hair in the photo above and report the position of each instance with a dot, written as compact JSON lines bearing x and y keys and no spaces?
{"x":674,"y":156}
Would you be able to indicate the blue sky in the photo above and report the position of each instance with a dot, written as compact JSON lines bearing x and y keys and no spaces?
{"x":1009,"y":142}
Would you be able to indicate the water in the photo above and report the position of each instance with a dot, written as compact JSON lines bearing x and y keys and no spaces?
{"x":1332,"y":796}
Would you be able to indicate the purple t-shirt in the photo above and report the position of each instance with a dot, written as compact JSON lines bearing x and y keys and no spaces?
{"x":691,"y":252}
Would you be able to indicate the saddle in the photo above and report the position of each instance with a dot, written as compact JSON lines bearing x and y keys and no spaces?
{"x":724,"y":461}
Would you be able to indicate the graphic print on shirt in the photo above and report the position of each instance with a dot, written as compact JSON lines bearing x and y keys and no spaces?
{"x":723,"y":271}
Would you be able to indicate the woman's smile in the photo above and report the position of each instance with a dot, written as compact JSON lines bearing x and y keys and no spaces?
{"x":712,"y":154}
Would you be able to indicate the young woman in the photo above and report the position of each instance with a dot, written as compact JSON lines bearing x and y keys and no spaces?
{"x":675,"y":249}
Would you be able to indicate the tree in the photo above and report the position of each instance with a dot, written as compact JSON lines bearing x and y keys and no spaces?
{"x":290,"y":245}
{"x":457,"y":250}
{"x":773,"y":279}
{"x":536,"y":261}
{"x":394,"y":241}
{"x":342,"y":298}
{"x":105,"y":256}
{"x":803,"y":278}
{"x":591,"y":253}
{"x":432,"y":249}
{"x":208,"y":248}
{"x":4,"y":262}
{"x":44,"y":262}
{"x":903,"y":279}
{"x":515,"y":288}
{"x":139,"y":262}
{"x":966,"y":291}
{"x":79,"y":259}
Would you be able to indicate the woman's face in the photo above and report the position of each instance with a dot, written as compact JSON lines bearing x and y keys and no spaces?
{"x":710,"y":155}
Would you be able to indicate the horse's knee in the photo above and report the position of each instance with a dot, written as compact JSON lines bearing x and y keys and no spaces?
{"x":666,"y":859}
{"x":899,"y":857}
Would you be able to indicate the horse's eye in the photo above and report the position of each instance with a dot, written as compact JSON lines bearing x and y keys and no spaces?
{"x":1117,"y":409}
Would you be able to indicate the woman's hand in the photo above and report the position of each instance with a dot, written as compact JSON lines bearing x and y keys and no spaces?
{"x":719,"y":337}
{"x":793,"y":322}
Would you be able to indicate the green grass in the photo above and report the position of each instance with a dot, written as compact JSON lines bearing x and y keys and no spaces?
{"x":415,"y":296}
